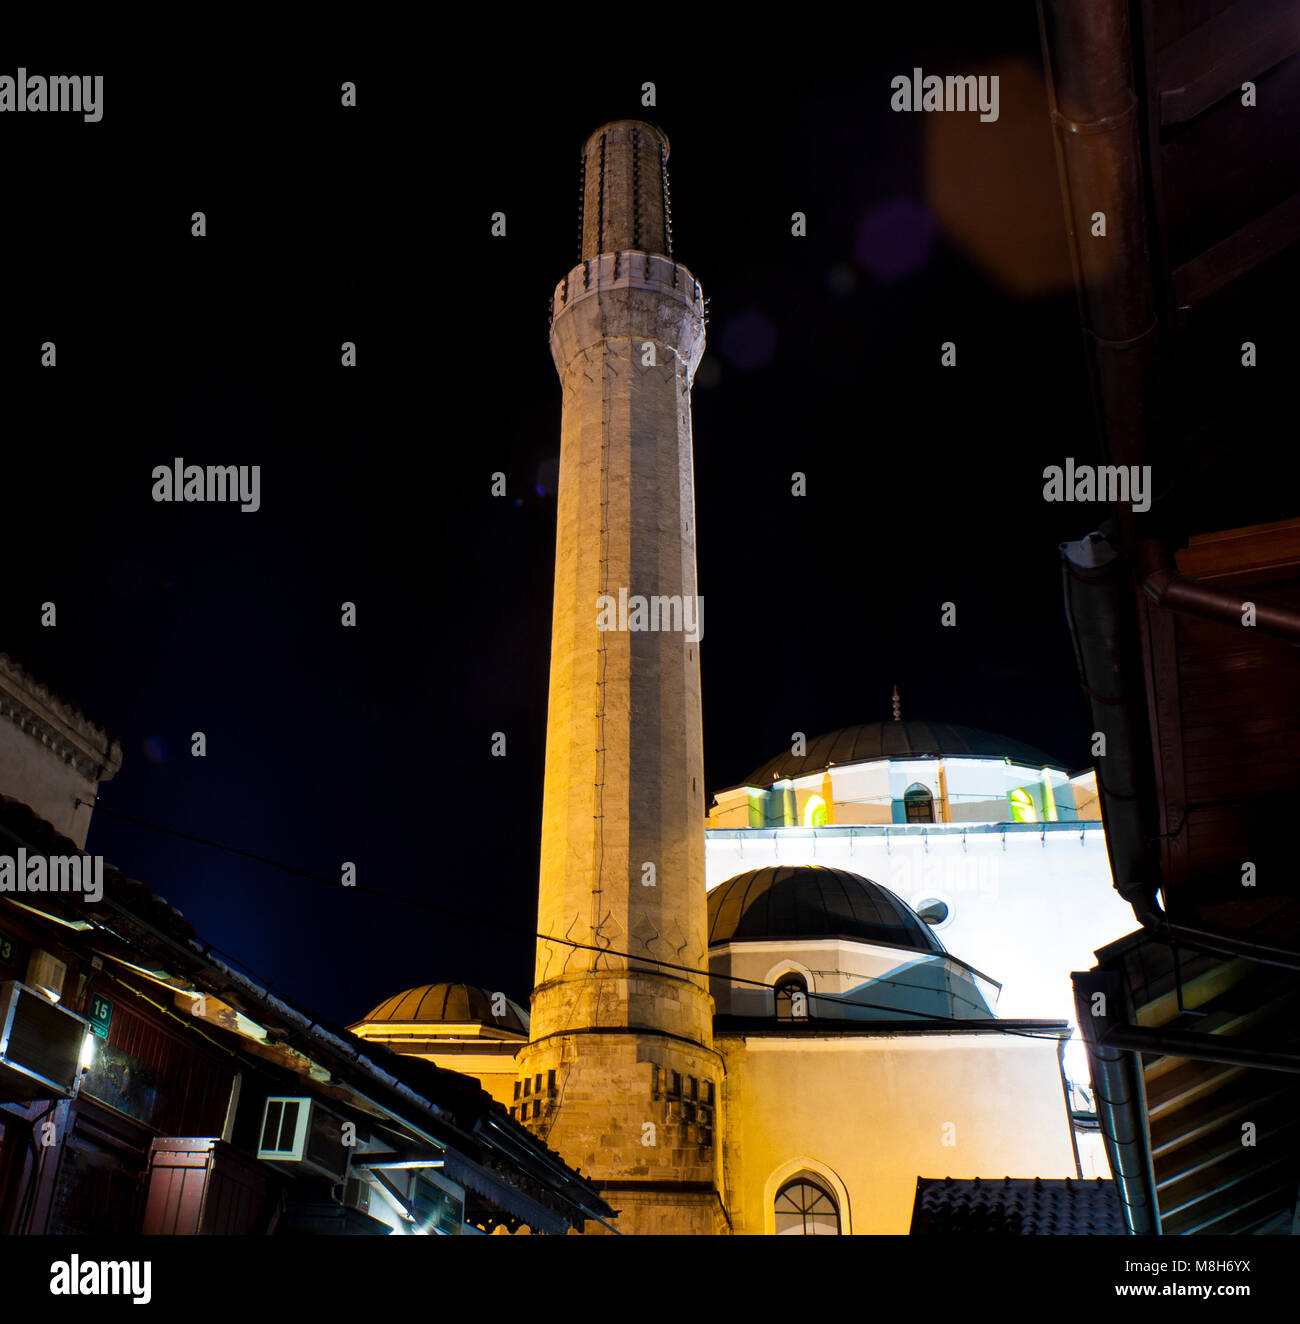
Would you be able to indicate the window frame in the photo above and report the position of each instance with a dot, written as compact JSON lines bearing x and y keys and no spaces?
{"x":808,"y":1207}
{"x":918,"y":794}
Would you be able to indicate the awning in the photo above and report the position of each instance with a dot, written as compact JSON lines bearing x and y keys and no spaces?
{"x":491,"y":1187}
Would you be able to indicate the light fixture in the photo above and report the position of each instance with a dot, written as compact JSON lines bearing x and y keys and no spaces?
{"x":933,"y":911}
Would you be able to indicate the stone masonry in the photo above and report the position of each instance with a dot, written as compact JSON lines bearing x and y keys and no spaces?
{"x":620,"y":1075}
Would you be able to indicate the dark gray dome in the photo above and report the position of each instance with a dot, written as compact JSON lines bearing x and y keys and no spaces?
{"x":456,"y":1003}
{"x":897,"y":740}
{"x":811,"y":901}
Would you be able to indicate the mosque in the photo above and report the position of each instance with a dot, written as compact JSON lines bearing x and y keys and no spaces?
{"x":744,"y":1019}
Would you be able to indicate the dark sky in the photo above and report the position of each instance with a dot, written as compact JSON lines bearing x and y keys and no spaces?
{"x":373,"y":225}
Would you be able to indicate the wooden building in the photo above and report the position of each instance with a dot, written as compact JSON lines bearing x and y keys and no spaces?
{"x":147,"y":1085}
{"x":1175,"y":123}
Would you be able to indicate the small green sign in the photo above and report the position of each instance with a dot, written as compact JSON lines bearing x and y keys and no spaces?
{"x":8,"y":949}
{"x":101,"y":1015}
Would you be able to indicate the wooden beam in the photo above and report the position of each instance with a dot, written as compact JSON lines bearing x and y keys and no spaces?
{"x":1214,"y":59}
{"x":1252,"y":550}
{"x":1263,"y":238}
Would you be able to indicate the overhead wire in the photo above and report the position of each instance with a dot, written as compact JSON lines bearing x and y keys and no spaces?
{"x":966,"y":1023}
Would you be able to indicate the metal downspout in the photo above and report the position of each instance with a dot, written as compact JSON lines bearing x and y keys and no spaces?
{"x":1098,"y":607}
{"x":1162,"y":583}
{"x":1121,"y":1104}
{"x":1088,"y":60}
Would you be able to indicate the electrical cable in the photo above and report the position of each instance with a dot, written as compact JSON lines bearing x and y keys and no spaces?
{"x":421,"y":904}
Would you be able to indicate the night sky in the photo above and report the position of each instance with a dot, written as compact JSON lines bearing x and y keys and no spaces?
{"x":373,"y":225}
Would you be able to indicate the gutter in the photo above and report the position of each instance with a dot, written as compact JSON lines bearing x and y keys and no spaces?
{"x":1101,"y":614}
{"x":1098,"y":583}
{"x":1160,"y":581}
{"x":1091,"y":85}
{"x":566,"y":1176}
{"x":1231,"y":1051}
{"x":408,"y":1095}
{"x":1120,"y":1099}
{"x":337,"y":1048}
{"x":1223,"y":943}
{"x":194,"y":950}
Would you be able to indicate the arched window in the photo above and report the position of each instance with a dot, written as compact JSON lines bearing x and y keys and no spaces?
{"x":918,"y":804}
{"x":806,"y":1209}
{"x":791,"y":998}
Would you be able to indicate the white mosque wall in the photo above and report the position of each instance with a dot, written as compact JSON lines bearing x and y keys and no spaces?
{"x":1027,"y":902}
{"x":973,"y":789}
{"x":963,"y":790}
{"x":869,"y":981}
{"x":1093,"y":1162}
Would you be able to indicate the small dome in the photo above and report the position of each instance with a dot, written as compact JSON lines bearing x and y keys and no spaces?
{"x":811,"y":901}
{"x":434,"y":1004}
{"x":898,"y":740}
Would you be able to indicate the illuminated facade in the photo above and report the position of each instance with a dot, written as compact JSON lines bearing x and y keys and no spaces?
{"x":456,"y":1026}
{"x":790,"y":1050}
{"x":1001,"y":847}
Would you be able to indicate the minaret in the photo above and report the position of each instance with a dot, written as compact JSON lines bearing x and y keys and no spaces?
{"x":620,"y":1076}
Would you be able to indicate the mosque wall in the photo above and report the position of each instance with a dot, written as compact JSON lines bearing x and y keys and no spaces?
{"x":961,"y":790}
{"x":493,"y":1067}
{"x":867,"y":1114}
{"x":884,"y":979}
{"x":1028,"y":902}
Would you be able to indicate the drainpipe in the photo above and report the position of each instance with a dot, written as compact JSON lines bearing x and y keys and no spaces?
{"x":1162,"y":583}
{"x":1118,"y":1093}
{"x":1229,"y":1050}
{"x":1088,"y":58}
{"x":1100,"y":610}
{"x":1224,"y":943}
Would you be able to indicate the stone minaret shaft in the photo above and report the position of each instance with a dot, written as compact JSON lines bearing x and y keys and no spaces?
{"x":620,"y":1046}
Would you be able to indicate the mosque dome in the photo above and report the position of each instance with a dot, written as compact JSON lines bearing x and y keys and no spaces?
{"x":459,"y":1004}
{"x":812,"y":901}
{"x":898,"y":739}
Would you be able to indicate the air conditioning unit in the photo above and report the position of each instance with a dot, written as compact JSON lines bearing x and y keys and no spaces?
{"x":356,"y":1194}
{"x":299,"y":1136}
{"x":46,"y":974}
{"x":439,"y":1202}
{"x":40,"y":1045}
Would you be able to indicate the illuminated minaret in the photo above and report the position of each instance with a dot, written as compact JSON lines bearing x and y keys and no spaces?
{"x":620,"y":1076}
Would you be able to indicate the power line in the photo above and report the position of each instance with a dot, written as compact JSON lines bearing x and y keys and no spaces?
{"x":422,"y":904}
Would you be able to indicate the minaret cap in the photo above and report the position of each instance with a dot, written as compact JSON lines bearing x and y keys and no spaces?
{"x":625,"y":202}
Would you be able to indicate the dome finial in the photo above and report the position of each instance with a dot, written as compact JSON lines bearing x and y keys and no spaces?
{"x":898,"y":706}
